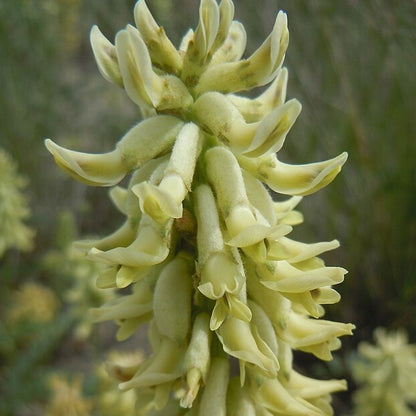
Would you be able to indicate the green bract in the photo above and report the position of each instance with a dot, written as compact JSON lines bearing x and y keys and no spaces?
{"x":204,"y":247}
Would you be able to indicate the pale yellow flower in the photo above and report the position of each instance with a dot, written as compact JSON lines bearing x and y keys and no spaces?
{"x":33,"y":302}
{"x":14,"y":208}
{"x":386,"y":375}
{"x":67,"y":398}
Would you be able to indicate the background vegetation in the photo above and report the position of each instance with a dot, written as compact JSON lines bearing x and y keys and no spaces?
{"x":351,"y":64}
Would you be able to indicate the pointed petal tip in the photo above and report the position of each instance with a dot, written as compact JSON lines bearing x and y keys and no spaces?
{"x":94,"y":30}
{"x":50,"y":145}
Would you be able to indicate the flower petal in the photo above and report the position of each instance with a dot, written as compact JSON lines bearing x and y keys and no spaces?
{"x":105,"y":56}
{"x":161,"y":49}
{"x":97,"y":170}
{"x":172,"y":300}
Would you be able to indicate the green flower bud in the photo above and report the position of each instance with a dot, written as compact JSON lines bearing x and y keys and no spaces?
{"x":239,"y":401}
{"x":197,"y":359}
{"x":172,"y":314}
{"x":214,"y":396}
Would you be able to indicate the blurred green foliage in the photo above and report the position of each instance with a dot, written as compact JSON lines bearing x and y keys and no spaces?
{"x":351,"y":64}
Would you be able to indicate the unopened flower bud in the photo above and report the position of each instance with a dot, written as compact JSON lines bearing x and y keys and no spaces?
{"x":239,"y":401}
{"x":214,"y":396}
{"x":172,"y":299}
{"x":197,"y":359}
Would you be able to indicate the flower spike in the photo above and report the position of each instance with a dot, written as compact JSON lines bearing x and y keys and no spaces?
{"x":204,"y":254}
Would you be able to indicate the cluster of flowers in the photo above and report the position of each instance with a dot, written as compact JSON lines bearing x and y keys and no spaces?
{"x":14,"y":207}
{"x":72,"y":264}
{"x":386,"y":373}
{"x":32,"y":302}
{"x":66,"y":395}
{"x":204,"y":247}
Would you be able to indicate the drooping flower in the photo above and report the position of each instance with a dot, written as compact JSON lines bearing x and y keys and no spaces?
{"x":204,"y":247}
